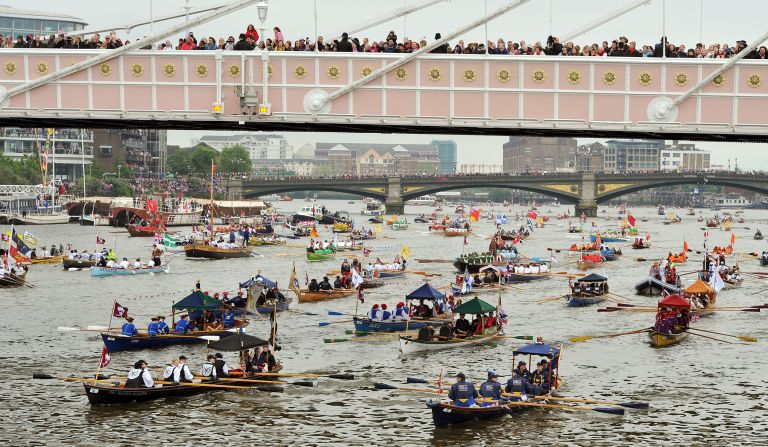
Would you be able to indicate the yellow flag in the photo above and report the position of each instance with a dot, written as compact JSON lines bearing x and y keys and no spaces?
{"x":405,"y":251}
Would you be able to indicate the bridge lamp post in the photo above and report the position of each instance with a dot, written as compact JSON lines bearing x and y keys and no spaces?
{"x":262,"y":7}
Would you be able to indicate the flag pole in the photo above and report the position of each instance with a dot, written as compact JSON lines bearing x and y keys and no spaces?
{"x":98,"y":369}
{"x":111,"y":315}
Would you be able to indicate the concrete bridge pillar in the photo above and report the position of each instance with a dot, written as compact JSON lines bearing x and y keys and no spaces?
{"x":587,"y":203}
{"x":234,"y":188}
{"x":394,"y":202}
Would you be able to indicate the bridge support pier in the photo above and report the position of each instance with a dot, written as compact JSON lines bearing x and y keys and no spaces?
{"x":234,"y":188}
{"x":394,"y":202}
{"x":587,"y":203}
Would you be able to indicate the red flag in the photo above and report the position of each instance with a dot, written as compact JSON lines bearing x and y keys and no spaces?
{"x":366,"y":252}
{"x":685,"y":245}
{"x":360,"y":294}
{"x":733,"y":238}
{"x":647,"y":236}
{"x":706,"y":234}
{"x":100,"y":240}
{"x":306,"y":279}
{"x":119,"y":311}
{"x":598,"y":239}
{"x":106,"y":357}
{"x":532,"y":214}
{"x":213,"y":168}
{"x":631,"y":220}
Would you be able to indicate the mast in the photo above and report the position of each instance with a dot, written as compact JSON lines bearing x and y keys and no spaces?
{"x":213,"y":172}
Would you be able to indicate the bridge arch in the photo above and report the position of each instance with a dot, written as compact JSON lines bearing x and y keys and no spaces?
{"x":563,"y":197}
{"x":760,"y":186}
{"x":257,"y":191}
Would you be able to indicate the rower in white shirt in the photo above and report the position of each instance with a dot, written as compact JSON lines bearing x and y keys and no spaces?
{"x":170,"y":371}
{"x":527,"y":269}
{"x":208,"y":370}
{"x":137,"y":264}
{"x":139,"y":376}
{"x":125,"y":264}
{"x":543,"y":268}
{"x":111,"y":264}
{"x":534,"y":269}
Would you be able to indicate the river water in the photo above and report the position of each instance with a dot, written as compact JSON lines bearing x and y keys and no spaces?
{"x":702,"y":392}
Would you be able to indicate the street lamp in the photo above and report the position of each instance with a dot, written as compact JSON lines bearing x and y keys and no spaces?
{"x":263,"y":7}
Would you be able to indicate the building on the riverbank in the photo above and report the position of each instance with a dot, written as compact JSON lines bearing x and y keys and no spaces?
{"x":632,"y":155}
{"x":538,"y":154}
{"x":259,"y":146}
{"x":684,"y":157}
{"x":590,"y":158}
{"x":69,"y":149}
{"x":446,"y":152}
{"x":21,"y":22}
{"x":379,"y":159}
{"x":144,"y":151}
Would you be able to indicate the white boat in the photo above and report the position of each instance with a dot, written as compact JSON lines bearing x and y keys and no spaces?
{"x":423,"y":200}
{"x":94,"y":220}
{"x":410,"y":344}
{"x":271,"y":198}
{"x":37,"y":219}
{"x":374,"y":208}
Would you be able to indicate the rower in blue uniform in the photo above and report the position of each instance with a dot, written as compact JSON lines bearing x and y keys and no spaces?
{"x":518,"y":384}
{"x":183,"y":325}
{"x":139,"y":376}
{"x":128,"y":328}
{"x":462,"y":393}
{"x":540,"y":380}
{"x":229,"y":319}
{"x":385,"y":314}
{"x":162,"y":326}
{"x":152,"y":329}
{"x":491,"y":388}
{"x":522,"y":369}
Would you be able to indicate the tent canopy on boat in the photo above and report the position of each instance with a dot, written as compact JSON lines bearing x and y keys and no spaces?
{"x":699,"y":287}
{"x":540,"y":349}
{"x":474,"y":306}
{"x":238,"y":342}
{"x":593,"y":278}
{"x":675,"y":301}
{"x":197,"y":300}
{"x":425,"y":292}
{"x":258,"y":280}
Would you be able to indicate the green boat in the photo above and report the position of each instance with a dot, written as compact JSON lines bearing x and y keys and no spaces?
{"x":320,"y":255}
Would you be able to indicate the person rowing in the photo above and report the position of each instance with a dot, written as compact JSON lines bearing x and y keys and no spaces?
{"x":183,"y":325}
{"x":208,"y":369}
{"x":462,"y":393}
{"x":162,"y":326}
{"x":222,"y":369}
{"x":170,"y":371}
{"x":128,"y":328}
{"x":518,"y":384}
{"x":153,"y":328}
{"x":491,"y":388}
{"x":139,"y":376}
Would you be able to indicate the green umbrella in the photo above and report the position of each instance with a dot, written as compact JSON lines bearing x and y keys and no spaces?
{"x":474,"y":306}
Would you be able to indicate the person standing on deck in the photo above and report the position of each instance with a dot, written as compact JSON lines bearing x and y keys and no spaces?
{"x":156,"y":253}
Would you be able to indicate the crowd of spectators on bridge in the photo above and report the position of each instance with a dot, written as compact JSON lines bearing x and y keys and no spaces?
{"x":250,"y":40}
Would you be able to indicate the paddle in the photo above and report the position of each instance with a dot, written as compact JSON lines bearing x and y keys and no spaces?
{"x":740,"y":337}
{"x":706,"y":336}
{"x":384,"y":386}
{"x":590,"y":337}
{"x":377,"y":338}
{"x":616,"y":411}
{"x":633,"y":405}
{"x":306,"y":383}
{"x":340,"y":376}
{"x":328,"y":323}
{"x":211,"y":385}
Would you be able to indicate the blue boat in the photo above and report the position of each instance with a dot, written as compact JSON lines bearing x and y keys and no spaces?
{"x":389,"y":273}
{"x":583,"y":301}
{"x":118,"y":342}
{"x":107,"y":271}
{"x":363,"y":325}
{"x":593,"y":238}
{"x":589,"y":290}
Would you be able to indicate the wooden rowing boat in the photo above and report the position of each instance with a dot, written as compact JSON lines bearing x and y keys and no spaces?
{"x":456,"y":232}
{"x":319,"y":257}
{"x":77,"y":264}
{"x":654,"y":287}
{"x":107,"y":271}
{"x":659,"y":340}
{"x":583,"y":301}
{"x":210,"y":252}
{"x":363,"y":325}
{"x":410,"y":344}
{"x":12,"y":280}
{"x":105,"y":394}
{"x":137,"y":231}
{"x":305,"y":296}
{"x":48,"y":260}
{"x":119,"y":342}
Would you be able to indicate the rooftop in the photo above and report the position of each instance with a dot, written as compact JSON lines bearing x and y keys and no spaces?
{"x":7,"y":11}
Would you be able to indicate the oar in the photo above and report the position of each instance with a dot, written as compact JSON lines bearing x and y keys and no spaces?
{"x":328,"y":323}
{"x":306,"y":383}
{"x":634,"y":405}
{"x":740,"y":337}
{"x":711,"y":338}
{"x":340,"y":376}
{"x":377,"y":338}
{"x":385,"y":386}
{"x":590,"y":337}
{"x":207,"y":385}
{"x":616,"y":411}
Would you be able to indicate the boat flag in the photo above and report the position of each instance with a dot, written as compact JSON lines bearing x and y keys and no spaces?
{"x":366,"y":252}
{"x":100,"y":240}
{"x":474,"y":215}
{"x":360,"y":295}
{"x":357,"y":280}
{"x":685,"y":245}
{"x":647,"y":236}
{"x":119,"y":311}
{"x":631,"y":220}
{"x":733,"y":238}
{"x":554,"y":259}
{"x":598,"y":239}
{"x":306,"y":278}
{"x":294,"y":283}
{"x":405,"y":251}
{"x":716,"y":282}
{"x":169,"y":241}
{"x":18,"y":249}
{"x":313,"y":233}
{"x":106,"y":357}
{"x":532,"y":215}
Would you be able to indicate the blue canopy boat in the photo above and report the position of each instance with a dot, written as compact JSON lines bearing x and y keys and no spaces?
{"x":426,"y":292}
{"x":589,"y":290}
{"x":445,"y":413}
{"x":107,"y":271}
{"x":197,"y":301}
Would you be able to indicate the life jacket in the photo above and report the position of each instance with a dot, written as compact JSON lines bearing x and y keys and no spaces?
{"x":135,"y":379}
{"x":219,"y":365}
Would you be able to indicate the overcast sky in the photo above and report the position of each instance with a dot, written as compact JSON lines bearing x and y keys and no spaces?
{"x":687,"y":22}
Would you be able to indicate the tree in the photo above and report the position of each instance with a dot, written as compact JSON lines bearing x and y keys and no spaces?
{"x":180,"y":163}
{"x":93,"y":185}
{"x":235,"y":159}
{"x":200,"y":159}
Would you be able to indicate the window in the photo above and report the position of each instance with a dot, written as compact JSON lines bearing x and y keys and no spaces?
{"x":27,"y":24}
{"x":50,"y":26}
{"x":67,"y":27}
{"x":6,"y":22}
{"x":105,"y":151}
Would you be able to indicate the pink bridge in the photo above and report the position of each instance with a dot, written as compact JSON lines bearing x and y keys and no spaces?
{"x":643,"y":97}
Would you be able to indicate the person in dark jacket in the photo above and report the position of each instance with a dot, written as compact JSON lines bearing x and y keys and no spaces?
{"x":344,"y":45}
{"x":442,"y":49}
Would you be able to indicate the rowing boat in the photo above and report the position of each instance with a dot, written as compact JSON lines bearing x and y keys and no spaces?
{"x":78,"y":264}
{"x":583,"y":301}
{"x":137,"y":231}
{"x":305,"y":296}
{"x":48,"y":260}
{"x":653,"y":287}
{"x":659,"y":340}
{"x":363,"y":325}
{"x":12,"y":280}
{"x":212,"y":252}
{"x":454,"y":232}
{"x":314,"y":256}
{"x":119,"y":342}
{"x":104,"y":394}
{"x":410,"y":344}
{"x":107,"y":271}
{"x":389,"y":273}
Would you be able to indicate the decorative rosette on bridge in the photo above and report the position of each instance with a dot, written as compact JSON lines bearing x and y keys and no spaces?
{"x":316,"y":102}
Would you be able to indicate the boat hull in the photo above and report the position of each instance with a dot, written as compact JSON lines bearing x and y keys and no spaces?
{"x":313,"y":297}
{"x":37,"y":219}
{"x":48,"y":260}
{"x":106,"y":271}
{"x":135,"y":231}
{"x":663,"y":340}
{"x":117,"y":342}
{"x":10,"y":280}
{"x":317,"y":257}
{"x":211,"y":252}
{"x":410,"y":345}
{"x":584,"y":301}
{"x":654,"y":287}
{"x":444,"y":414}
{"x":363,"y":325}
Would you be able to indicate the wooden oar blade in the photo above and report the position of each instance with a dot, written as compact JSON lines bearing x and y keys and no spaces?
{"x":608,"y":309}
{"x":582,"y":338}
{"x":335,"y":340}
{"x":609,"y":410}
{"x":210,"y":337}
{"x":342,"y":376}
{"x":67,"y":329}
{"x":42,"y":376}
{"x":635,"y":405}
{"x":306,"y":383}
{"x":415,"y":380}
{"x":96,"y":328}
{"x":384,"y":386}
{"x":324,"y":324}
{"x":336,"y":314}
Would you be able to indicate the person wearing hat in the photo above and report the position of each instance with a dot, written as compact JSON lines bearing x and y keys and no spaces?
{"x":325,"y":284}
{"x":208,"y":370}
{"x":266,"y":361}
{"x":426,"y":333}
{"x":162,"y":326}
{"x":385,"y":314}
{"x":373,"y":315}
{"x":522,"y":369}
{"x":338,"y":284}
{"x":139,"y":376}
{"x":182,"y":326}
{"x":462,"y":393}
{"x":183,"y":374}
{"x":491,"y":388}
{"x":401,"y":312}
{"x":129,"y":329}
{"x":540,"y":379}
{"x":152,"y":329}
